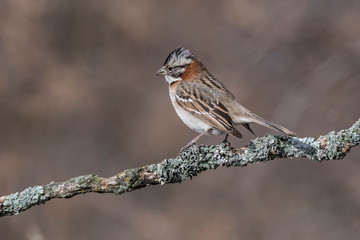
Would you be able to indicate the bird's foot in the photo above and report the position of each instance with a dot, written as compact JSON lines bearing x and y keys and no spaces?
{"x":226,"y":142}
{"x":190,"y":144}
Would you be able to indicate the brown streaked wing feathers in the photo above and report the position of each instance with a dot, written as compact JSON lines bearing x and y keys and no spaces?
{"x":206,"y":108}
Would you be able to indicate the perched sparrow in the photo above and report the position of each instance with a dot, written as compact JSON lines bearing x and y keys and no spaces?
{"x":202,"y":102}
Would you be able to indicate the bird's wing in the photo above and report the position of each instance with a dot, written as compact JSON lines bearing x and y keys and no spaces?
{"x":200,"y":102}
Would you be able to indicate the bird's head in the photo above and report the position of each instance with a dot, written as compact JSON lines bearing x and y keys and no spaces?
{"x":176,"y":64}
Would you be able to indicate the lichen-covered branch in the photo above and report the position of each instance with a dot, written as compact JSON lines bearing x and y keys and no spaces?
{"x":189,"y":163}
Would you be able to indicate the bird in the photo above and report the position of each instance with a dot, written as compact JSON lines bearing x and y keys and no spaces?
{"x":202,"y":102}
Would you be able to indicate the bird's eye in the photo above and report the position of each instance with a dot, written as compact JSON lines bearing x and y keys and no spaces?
{"x":170,"y":69}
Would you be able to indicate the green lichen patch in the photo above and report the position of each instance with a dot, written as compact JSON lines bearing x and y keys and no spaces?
{"x":18,"y":202}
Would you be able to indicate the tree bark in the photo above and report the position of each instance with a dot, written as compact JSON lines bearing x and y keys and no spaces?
{"x":190,"y":162}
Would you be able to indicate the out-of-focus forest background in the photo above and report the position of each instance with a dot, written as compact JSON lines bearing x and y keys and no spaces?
{"x":78,"y":95}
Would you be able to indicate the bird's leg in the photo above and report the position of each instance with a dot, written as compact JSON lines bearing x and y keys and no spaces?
{"x":226,"y":137}
{"x":192,"y":142}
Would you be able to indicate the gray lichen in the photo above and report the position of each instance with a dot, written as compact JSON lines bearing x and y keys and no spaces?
{"x":188,"y":164}
{"x":18,"y":202}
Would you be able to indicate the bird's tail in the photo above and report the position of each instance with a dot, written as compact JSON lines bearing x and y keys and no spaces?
{"x":271,"y":125}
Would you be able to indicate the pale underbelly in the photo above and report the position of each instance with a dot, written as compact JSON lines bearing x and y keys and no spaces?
{"x":195,"y":123}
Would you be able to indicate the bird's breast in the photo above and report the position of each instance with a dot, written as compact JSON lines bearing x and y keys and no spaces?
{"x":189,"y":119}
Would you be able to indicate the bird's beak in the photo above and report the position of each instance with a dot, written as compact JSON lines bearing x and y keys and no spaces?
{"x":161,"y":72}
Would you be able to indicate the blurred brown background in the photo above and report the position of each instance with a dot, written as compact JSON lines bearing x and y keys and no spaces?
{"x":78,"y":95}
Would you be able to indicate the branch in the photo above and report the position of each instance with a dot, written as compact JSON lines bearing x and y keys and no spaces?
{"x":192,"y":161}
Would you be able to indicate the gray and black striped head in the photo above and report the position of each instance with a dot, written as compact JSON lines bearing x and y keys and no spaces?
{"x":175,"y":64}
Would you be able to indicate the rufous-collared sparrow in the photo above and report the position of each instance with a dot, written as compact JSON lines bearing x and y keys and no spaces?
{"x":202,"y":102}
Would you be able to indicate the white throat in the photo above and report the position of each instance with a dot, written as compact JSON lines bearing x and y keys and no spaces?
{"x":170,"y":79}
